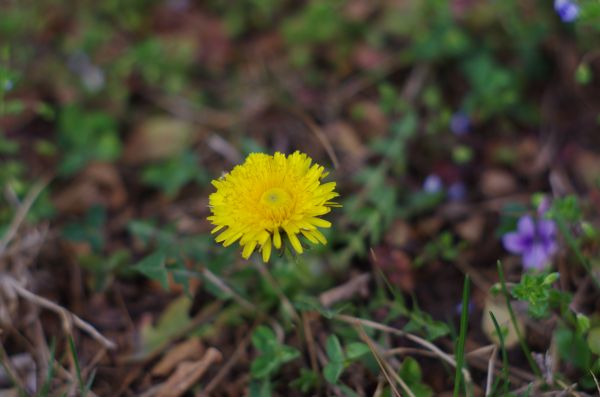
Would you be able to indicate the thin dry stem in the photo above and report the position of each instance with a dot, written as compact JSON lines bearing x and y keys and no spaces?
{"x":21,"y":213}
{"x":68,"y":318}
{"x":385,"y":366}
{"x":428,"y":345}
{"x":490,"y":372}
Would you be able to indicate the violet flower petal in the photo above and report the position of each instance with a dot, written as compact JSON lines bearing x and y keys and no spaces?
{"x":515,"y":243}
{"x":546,"y":229}
{"x":535,"y":257}
{"x":567,"y":10}
{"x":526,"y":227}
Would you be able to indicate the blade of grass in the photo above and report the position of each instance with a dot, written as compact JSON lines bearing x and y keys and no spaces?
{"x":460,"y":350}
{"x":73,"y":350}
{"x":88,"y":385}
{"x":45,"y":390}
{"x":513,"y":319}
{"x":505,"y":377}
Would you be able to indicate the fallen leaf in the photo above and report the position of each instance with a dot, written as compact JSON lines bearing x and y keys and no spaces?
{"x":347,"y":143}
{"x":471,"y":229}
{"x":188,"y":373}
{"x":98,"y":184}
{"x":157,"y":138}
{"x":497,"y":182}
{"x":498,"y":307}
{"x":190,"y":349}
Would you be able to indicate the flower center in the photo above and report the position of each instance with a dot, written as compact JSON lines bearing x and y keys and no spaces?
{"x":275,"y":198}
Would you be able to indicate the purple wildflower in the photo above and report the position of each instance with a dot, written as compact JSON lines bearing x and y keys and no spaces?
{"x":432,"y":184}
{"x":460,"y":123}
{"x":534,"y":241}
{"x":457,"y":191}
{"x":567,"y":10}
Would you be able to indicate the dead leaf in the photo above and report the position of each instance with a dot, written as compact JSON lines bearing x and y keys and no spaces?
{"x":399,"y":234}
{"x":188,"y":373}
{"x":471,"y":229}
{"x":98,"y":184}
{"x":587,"y":167}
{"x":497,"y":182}
{"x":157,"y":138}
{"x":347,"y":143}
{"x":190,"y":349}
{"x":502,"y":315}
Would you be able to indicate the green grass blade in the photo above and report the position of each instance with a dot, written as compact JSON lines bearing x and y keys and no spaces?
{"x":73,"y":351}
{"x":460,"y":350}
{"x":45,"y":390}
{"x":504,"y":355}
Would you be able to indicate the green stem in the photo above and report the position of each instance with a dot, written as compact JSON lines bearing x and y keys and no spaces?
{"x":513,"y":319}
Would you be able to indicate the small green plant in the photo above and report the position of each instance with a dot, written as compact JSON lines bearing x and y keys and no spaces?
{"x":273,"y":353}
{"x":539,"y":292}
{"x":86,"y":136}
{"x":172,"y":174}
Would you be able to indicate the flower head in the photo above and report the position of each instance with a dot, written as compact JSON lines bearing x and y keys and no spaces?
{"x":267,"y":196}
{"x":460,"y":123}
{"x":567,"y":10}
{"x":535,"y":241}
{"x":433,"y":184}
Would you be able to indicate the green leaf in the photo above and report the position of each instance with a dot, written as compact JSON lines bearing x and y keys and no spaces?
{"x":181,"y":275}
{"x":153,"y":267}
{"x":583,"y":323}
{"x":172,"y":174}
{"x":410,"y":371}
{"x":263,"y":338}
{"x":573,"y":348}
{"x":287,"y":353}
{"x":583,"y":74}
{"x":332,"y":371}
{"x":593,"y":340}
{"x":264,"y":365}
{"x":261,"y":388}
{"x":90,"y":229}
{"x":306,"y":382}
{"x":356,"y":350}
{"x":334,"y":349}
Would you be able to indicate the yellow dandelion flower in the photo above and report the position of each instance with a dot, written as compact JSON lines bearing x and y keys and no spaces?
{"x":270,"y":197}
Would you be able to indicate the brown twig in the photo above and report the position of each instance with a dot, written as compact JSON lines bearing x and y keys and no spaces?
{"x":226,"y":368}
{"x":345,"y":291}
{"x":68,"y":317}
{"x":388,"y":372}
{"x":428,"y":345}
{"x":490,"y":372}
